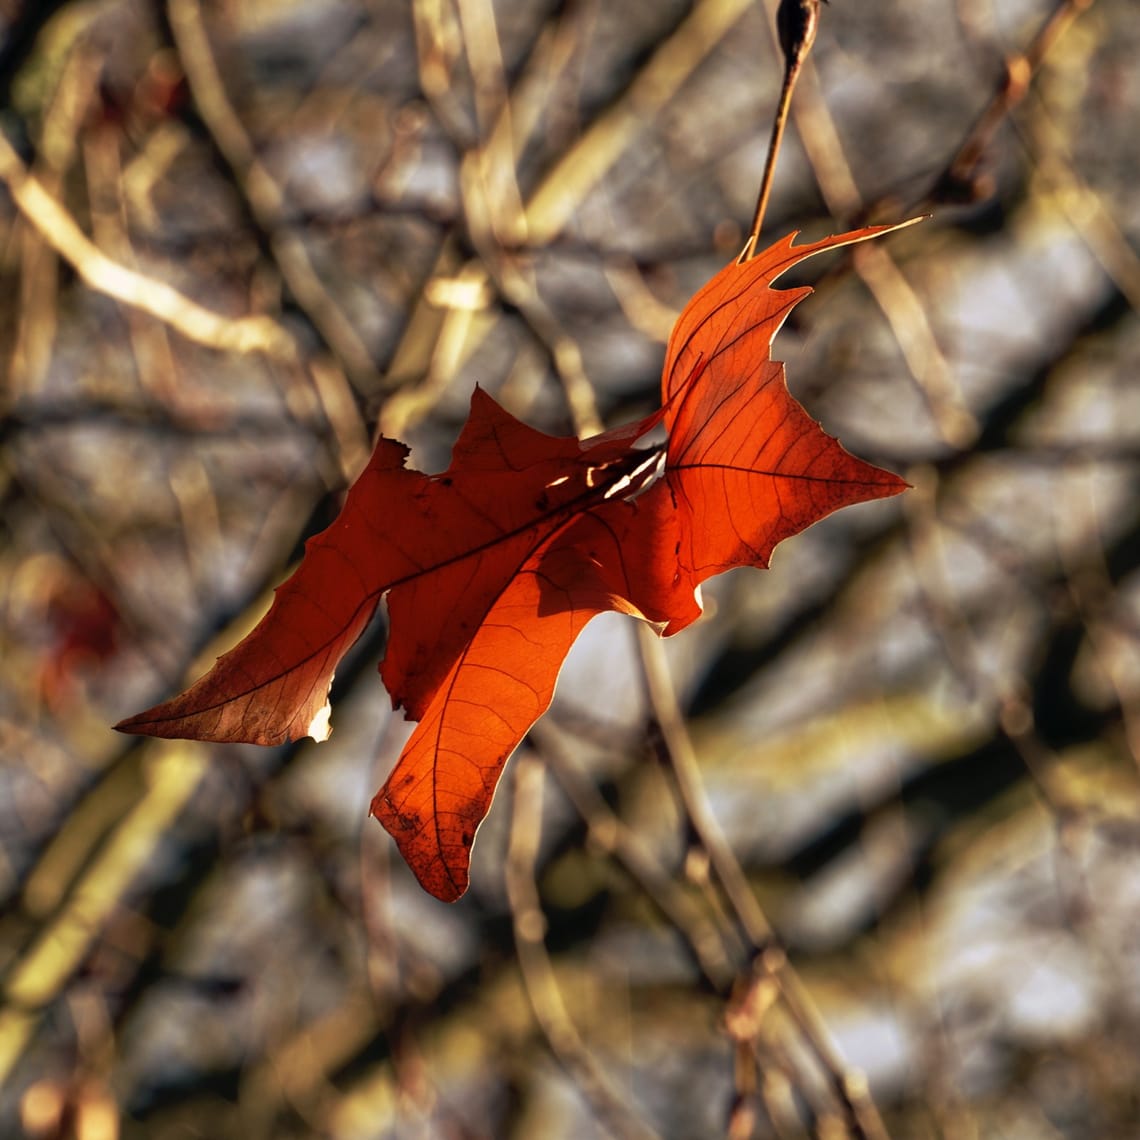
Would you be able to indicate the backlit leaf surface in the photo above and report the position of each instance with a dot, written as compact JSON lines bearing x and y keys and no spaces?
{"x":492,"y":568}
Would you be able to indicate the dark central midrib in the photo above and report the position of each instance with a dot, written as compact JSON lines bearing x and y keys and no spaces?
{"x":576,"y":505}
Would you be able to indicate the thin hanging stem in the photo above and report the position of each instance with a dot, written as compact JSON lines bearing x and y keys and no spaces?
{"x":796,"y":24}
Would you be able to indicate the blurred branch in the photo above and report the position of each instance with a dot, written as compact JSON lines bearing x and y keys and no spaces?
{"x":264,"y":196}
{"x":612,"y":836}
{"x":677,"y":749}
{"x":1007,"y":698}
{"x":534,"y":962}
{"x":39,"y":263}
{"x":848,"y":1086}
{"x":20,"y":39}
{"x":962,"y":179}
{"x":602,"y":144}
{"x":496,"y":218}
{"x":44,"y":415}
{"x":448,"y":1046}
{"x":1083,"y":206}
{"x":39,"y":974}
{"x":575,"y":174}
{"x":156,"y":298}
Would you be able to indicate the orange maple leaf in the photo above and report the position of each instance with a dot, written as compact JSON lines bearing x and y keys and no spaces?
{"x":492,"y":568}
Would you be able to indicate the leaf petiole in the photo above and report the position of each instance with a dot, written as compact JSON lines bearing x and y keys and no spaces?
{"x":796,"y":25}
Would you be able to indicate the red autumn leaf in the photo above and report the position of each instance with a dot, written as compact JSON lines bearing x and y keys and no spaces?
{"x":441,"y":546}
{"x":492,"y":568}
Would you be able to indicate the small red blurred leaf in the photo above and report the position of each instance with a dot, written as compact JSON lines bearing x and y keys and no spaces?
{"x":492,"y":568}
{"x":85,"y":625}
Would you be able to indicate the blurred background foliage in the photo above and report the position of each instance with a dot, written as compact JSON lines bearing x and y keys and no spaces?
{"x":863,"y":860}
